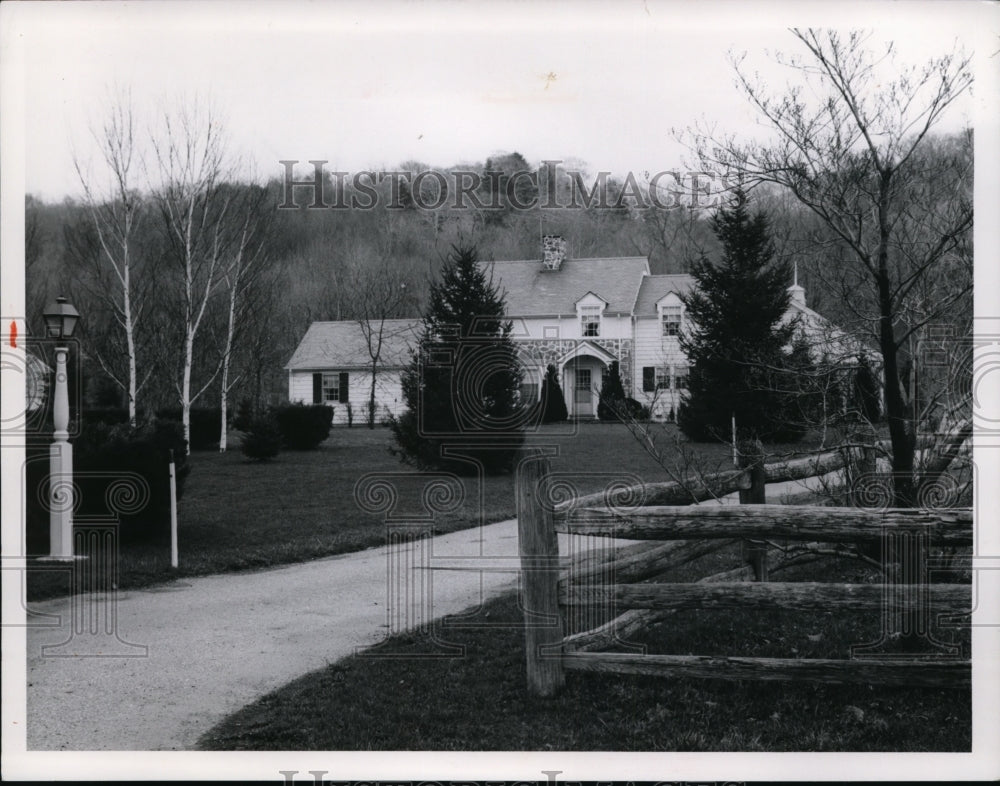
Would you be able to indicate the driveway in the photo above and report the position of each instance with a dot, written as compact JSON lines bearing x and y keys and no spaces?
{"x":158,"y":667}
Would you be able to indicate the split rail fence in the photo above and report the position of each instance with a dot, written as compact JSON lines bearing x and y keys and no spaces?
{"x":685,"y":532}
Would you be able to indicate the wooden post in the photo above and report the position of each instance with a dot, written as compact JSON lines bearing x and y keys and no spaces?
{"x":173,"y":512}
{"x":539,"y":549}
{"x":752,"y":459}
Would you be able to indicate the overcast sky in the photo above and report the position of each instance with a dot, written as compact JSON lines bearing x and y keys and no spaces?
{"x":372,"y":86}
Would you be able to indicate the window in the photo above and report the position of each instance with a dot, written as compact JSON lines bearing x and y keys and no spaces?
{"x":583,"y":379}
{"x":335,"y":387}
{"x":663,"y":378}
{"x":590,"y":321}
{"x":671,"y":318}
{"x":550,"y":331}
{"x":648,"y":379}
{"x":680,"y":378}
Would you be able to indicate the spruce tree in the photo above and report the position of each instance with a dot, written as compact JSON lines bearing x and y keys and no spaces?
{"x":553,"y":402}
{"x":461,"y":386}
{"x":735,"y":346}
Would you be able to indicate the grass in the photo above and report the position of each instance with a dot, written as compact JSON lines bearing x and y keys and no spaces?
{"x":478,"y":702}
{"x":239,"y":515}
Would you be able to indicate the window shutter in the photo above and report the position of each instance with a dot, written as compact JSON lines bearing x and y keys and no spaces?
{"x":648,"y":379}
{"x":343,"y":387}
{"x":317,"y":388}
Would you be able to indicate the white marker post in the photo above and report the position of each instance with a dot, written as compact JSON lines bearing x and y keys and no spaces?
{"x":736,"y":460}
{"x":173,"y":513}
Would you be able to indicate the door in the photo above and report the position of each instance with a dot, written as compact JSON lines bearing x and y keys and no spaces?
{"x":583,"y":397}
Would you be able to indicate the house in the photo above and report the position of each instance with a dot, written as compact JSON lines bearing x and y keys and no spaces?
{"x":333,"y":365}
{"x":577,"y":314}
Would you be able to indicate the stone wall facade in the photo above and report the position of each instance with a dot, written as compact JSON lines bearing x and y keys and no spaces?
{"x":539,"y":353}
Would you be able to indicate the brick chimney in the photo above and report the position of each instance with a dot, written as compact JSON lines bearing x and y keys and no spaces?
{"x":553,"y":251}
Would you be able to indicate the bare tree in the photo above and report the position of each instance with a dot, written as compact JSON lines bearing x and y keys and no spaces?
{"x":247,"y":259}
{"x":380,"y":293}
{"x":852,"y":157}
{"x":115,"y":210}
{"x":195,"y":204}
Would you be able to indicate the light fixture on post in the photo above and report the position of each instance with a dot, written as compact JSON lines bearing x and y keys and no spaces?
{"x":60,"y":321}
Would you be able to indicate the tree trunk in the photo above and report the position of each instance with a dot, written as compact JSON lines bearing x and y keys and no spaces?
{"x":186,"y":390}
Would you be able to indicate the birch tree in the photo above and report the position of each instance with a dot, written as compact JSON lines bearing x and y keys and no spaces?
{"x":115,"y":208}
{"x":247,"y":258}
{"x":195,"y":205}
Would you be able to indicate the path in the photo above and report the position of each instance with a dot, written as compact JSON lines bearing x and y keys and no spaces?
{"x":200,"y":649}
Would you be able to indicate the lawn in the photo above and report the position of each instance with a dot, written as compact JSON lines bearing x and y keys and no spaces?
{"x":240,"y":515}
{"x":478,"y":702}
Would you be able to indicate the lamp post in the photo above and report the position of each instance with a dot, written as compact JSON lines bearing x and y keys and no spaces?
{"x":60,"y":321}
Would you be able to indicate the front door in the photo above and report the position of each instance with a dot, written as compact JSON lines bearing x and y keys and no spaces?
{"x":583,"y":397}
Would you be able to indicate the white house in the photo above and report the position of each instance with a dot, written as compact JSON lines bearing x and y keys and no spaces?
{"x":577,"y":314}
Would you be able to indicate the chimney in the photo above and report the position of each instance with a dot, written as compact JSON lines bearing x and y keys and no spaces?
{"x":553,"y":251}
{"x":797,"y":293}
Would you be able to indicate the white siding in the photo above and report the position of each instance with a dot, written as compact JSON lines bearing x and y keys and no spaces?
{"x":652,"y":348}
{"x":569,"y":327}
{"x":388,"y":394}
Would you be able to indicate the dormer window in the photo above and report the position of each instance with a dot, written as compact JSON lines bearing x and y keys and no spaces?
{"x":671,"y":311}
{"x":670,"y":318}
{"x":590,"y":321}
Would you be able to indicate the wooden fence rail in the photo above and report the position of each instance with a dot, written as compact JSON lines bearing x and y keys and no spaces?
{"x":547,"y":594}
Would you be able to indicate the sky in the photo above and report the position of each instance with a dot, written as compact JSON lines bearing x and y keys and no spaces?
{"x":371,"y":86}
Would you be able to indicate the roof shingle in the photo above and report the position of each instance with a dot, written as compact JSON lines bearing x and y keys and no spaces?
{"x":531,"y":290}
{"x":343,"y":345}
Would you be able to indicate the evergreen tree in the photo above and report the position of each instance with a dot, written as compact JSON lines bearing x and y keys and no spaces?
{"x":461,"y":387}
{"x":612,"y":395}
{"x":553,"y":402}
{"x":735,"y":345}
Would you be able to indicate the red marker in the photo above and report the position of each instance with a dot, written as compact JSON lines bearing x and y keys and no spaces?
{"x":13,"y":335}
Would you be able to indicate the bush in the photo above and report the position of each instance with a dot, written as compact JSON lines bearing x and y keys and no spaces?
{"x":552,"y":397}
{"x":612,"y":394}
{"x":245,"y":415}
{"x":303,"y":426}
{"x":111,"y":416}
{"x":206,"y":425}
{"x":635,"y":410}
{"x":109,"y":451}
{"x":262,"y":440}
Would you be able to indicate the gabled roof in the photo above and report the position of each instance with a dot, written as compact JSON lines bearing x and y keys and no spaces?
{"x":531,"y":290}
{"x":342,"y":345}
{"x":655,"y":288}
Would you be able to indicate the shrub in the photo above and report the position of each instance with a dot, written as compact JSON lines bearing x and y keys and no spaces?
{"x":350,"y":415}
{"x":206,"y":425}
{"x":552,"y":397}
{"x":245,"y":415}
{"x":111,"y":450}
{"x":108,"y":415}
{"x":635,"y":410}
{"x":303,"y":426}
{"x":262,"y":440}
{"x":612,"y":394}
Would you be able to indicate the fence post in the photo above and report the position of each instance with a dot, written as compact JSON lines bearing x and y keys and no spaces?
{"x":539,"y":550}
{"x":752,"y":458}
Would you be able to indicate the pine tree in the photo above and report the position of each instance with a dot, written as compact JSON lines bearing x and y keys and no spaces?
{"x":612,"y":395}
{"x":461,"y":386}
{"x":553,"y":402}
{"x":736,"y":345}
